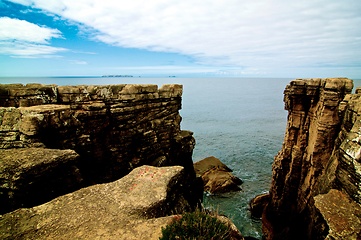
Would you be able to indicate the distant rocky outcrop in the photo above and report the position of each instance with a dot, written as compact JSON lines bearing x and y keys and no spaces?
{"x":101,"y":133}
{"x":216,"y":176}
{"x":316,"y":191}
{"x":135,"y":207}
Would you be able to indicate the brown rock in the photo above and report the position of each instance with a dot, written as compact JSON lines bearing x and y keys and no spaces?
{"x":216,"y":176}
{"x":258,"y":204}
{"x":342,"y":215}
{"x":320,"y":152}
{"x":31,"y":176}
{"x":114,"y":128}
{"x":133,"y":207}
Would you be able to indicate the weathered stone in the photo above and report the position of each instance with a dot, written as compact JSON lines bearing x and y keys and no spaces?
{"x":342,"y":215}
{"x":133,"y":207}
{"x":30,"y":176}
{"x":320,"y":152}
{"x":258,"y":204}
{"x":216,"y":176}
{"x":112,"y":132}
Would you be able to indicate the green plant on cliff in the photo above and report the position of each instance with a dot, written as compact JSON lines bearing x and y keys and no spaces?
{"x":196,"y":225}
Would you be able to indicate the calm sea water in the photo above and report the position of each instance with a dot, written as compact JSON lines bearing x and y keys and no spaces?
{"x":241,"y":121}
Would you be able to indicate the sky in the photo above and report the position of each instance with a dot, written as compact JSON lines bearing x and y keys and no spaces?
{"x":204,"y":38}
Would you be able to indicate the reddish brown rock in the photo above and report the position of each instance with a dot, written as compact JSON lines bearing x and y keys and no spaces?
{"x":320,"y":152}
{"x":341,"y":214}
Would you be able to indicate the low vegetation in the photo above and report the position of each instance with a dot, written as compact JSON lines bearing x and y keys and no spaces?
{"x":196,"y":225}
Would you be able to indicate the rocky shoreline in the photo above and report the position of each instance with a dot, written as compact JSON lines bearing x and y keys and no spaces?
{"x":112,"y":162}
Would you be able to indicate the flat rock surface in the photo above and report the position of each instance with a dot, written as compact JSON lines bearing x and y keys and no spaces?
{"x":123,"y":209}
{"x":342,"y":216}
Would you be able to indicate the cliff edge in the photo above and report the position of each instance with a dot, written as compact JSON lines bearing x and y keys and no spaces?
{"x":57,"y":139}
{"x":316,"y":184}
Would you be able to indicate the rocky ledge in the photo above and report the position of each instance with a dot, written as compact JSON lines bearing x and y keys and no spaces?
{"x":135,"y":207}
{"x":57,"y":139}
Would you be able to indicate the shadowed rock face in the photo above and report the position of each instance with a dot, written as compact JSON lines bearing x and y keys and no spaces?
{"x":320,"y":152}
{"x":134,"y":207}
{"x":111,"y":129}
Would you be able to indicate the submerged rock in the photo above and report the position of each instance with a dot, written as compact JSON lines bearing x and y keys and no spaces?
{"x":134,"y":207}
{"x":216,"y":176}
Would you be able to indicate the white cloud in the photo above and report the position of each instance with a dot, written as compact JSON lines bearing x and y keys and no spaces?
{"x":24,"y":39}
{"x":250,"y":33}
{"x":21,"y":30}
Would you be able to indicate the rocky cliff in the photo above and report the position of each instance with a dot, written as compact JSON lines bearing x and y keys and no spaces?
{"x":135,"y":207}
{"x":316,"y":184}
{"x":56,"y":139}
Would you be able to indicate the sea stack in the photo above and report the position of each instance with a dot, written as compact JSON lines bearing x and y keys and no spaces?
{"x":318,"y":169}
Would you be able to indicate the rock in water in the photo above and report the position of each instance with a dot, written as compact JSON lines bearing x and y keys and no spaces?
{"x":216,"y":176}
{"x":133,"y":207}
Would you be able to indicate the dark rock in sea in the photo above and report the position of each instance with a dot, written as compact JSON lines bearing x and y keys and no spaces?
{"x":216,"y":176}
{"x":258,"y":204}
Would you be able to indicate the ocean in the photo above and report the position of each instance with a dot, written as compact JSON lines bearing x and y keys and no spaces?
{"x":241,"y":121}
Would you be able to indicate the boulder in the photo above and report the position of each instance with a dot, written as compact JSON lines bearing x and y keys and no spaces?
{"x":134,"y":207}
{"x":216,"y":176}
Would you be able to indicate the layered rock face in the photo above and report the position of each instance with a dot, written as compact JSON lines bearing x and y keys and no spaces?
{"x":321,"y":151}
{"x":111,"y":129}
{"x":135,"y":207}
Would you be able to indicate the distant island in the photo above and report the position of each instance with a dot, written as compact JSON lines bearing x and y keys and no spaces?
{"x":124,"y":76}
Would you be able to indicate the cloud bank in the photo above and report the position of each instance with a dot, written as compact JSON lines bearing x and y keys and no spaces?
{"x":24,"y":39}
{"x":248,"y":34}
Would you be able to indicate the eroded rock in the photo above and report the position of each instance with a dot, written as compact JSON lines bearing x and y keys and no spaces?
{"x":134,"y":207}
{"x":216,"y":176}
{"x":341,"y":214}
{"x":30,"y":176}
{"x":320,"y":152}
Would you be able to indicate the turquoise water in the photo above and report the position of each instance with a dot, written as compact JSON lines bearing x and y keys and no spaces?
{"x":238,"y":120}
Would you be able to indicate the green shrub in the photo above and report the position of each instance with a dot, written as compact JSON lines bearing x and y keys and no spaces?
{"x":196,"y":225}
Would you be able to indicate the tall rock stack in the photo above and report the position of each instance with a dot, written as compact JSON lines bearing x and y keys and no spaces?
{"x":319,"y":161}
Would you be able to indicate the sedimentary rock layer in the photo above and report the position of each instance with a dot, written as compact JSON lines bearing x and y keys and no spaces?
{"x":321,"y":151}
{"x":113,"y":129}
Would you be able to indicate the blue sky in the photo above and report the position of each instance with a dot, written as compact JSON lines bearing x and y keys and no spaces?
{"x":235,"y":38}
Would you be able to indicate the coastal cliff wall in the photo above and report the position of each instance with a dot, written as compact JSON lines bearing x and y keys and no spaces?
{"x":86,"y":135}
{"x":316,"y":184}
